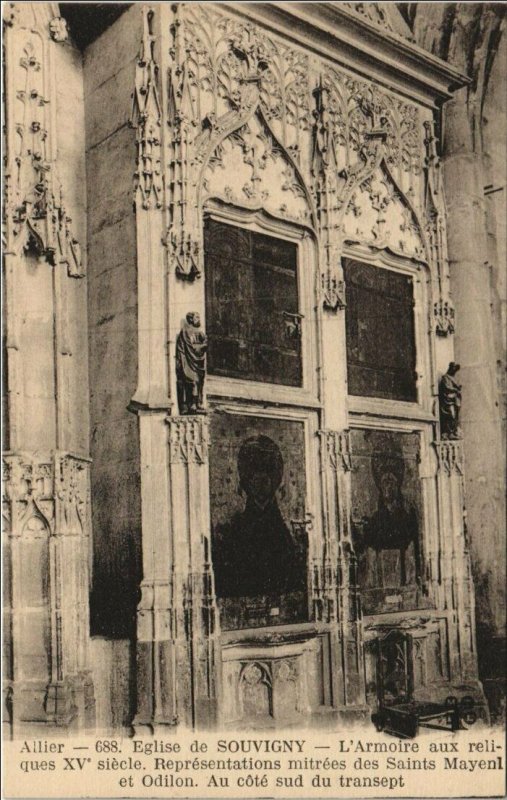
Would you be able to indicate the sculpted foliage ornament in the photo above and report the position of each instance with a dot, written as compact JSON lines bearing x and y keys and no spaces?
{"x":58,"y":29}
{"x":35,"y":217}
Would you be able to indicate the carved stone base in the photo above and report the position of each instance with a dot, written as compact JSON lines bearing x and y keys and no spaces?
{"x":67,"y":704}
{"x":352,"y":715}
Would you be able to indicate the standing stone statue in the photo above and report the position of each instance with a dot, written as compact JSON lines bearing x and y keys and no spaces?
{"x":449,"y":395}
{"x":191,"y":346}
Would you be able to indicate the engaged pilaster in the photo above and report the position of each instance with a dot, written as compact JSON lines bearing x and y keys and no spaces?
{"x":177,"y":616}
{"x":455,"y":570}
{"x":340,"y":589}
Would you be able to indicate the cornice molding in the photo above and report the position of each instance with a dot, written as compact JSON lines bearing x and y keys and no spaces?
{"x":335,"y":31}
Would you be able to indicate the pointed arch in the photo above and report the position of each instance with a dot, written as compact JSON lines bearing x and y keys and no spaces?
{"x":376,"y":211}
{"x":261,"y":156}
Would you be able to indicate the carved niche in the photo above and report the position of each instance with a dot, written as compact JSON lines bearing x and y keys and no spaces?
{"x":236,"y":97}
{"x":35,"y":216}
{"x":261,"y":689}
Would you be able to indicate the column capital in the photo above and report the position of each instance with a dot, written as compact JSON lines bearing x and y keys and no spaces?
{"x":188,"y":439}
{"x":337,"y":448}
{"x":450,"y":456}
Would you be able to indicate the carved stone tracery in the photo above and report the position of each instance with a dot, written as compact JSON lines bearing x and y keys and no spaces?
{"x":366,"y":159}
{"x":236,"y":97}
{"x":46,"y":511}
{"x":450,"y":457}
{"x":188,"y":439}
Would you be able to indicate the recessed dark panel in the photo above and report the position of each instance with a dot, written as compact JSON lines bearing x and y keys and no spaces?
{"x":252,"y":305}
{"x":380,"y":332}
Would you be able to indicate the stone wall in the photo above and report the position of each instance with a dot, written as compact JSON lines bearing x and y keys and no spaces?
{"x":471,"y":36}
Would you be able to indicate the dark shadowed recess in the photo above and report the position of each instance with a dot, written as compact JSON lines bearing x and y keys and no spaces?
{"x":87,"y":21}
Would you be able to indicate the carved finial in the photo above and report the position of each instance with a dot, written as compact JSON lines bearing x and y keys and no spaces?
{"x":333,"y":292}
{"x":146,"y":118}
{"x":58,"y":29}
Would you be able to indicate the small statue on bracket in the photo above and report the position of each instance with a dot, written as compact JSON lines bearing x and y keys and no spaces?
{"x":191,"y":347}
{"x":449,"y":396}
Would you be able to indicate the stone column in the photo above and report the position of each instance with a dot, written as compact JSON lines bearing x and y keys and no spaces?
{"x":475,"y":351}
{"x":46,"y":468}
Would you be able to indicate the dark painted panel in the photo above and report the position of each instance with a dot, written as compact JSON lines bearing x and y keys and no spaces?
{"x":380,"y":332}
{"x":257,"y":490}
{"x":386,"y":512}
{"x":251,"y":287}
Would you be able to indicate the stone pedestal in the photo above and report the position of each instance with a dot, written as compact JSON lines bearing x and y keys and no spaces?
{"x":46,"y":525}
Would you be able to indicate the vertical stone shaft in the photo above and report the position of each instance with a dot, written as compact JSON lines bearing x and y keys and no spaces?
{"x":176,"y":618}
{"x":458,"y":593}
{"x":475,"y":351}
{"x":46,"y":503}
{"x":342,"y":606}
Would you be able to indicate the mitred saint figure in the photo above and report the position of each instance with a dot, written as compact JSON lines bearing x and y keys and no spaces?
{"x":388,"y":547}
{"x":449,"y":395}
{"x":191,"y":346}
{"x":254,"y":552}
